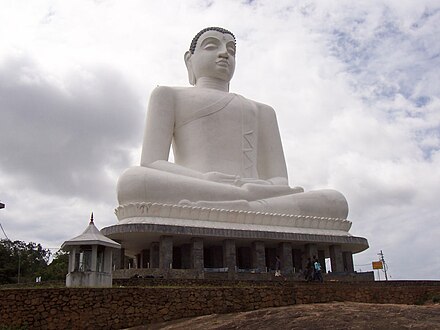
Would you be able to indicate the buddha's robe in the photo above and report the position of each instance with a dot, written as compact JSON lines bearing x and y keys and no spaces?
{"x":227,"y":152}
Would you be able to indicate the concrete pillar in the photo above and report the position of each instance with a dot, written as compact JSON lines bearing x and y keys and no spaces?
{"x":165,"y":252}
{"x":258,"y":256}
{"x":229,"y":255}
{"x":321,"y":259}
{"x":336,"y":258}
{"x":154,"y":255}
{"x":347,"y":257}
{"x":197,"y":257}
{"x":285,"y":254}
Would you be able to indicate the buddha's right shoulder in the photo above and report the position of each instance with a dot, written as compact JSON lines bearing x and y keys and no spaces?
{"x":168,"y":91}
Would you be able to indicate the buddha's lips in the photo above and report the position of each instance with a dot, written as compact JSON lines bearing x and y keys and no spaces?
{"x":222,"y":62}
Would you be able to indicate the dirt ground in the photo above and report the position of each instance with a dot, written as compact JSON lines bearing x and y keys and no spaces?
{"x":338,"y":315}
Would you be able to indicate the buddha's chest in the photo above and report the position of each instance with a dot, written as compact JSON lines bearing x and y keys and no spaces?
{"x":227,"y":117}
{"x":220,"y":132}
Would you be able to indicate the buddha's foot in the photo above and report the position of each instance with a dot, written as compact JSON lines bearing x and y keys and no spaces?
{"x":227,"y":205}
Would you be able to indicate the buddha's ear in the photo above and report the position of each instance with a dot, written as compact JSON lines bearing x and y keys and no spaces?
{"x":191,"y":76}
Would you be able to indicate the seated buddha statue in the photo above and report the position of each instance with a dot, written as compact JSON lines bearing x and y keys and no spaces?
{"x":227,"y":148}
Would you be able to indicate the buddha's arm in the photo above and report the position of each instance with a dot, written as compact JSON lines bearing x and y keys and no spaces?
{"x":159,"y":126}
{"x":181,"y":170}
{"x":271,"y":163}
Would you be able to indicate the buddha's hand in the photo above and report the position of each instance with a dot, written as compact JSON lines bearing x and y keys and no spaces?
{"x":242,"y":181}
{"x":220,"y":177}
{"x":276,"y":181}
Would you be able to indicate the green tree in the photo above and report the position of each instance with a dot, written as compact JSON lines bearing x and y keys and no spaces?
{"x":8,"y":265}
{"x":58,"y":268}
{"x":19,"y":258}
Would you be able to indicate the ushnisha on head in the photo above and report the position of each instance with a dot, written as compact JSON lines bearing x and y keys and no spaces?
{"x":211,"y":56}
{"x":192,"y":47}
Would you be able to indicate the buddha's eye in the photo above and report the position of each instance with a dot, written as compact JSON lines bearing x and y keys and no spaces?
{"x":210,"y":46}
{"x":231,"y":50}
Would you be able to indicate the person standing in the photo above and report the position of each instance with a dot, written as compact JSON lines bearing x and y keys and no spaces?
{"x":317,"y":271}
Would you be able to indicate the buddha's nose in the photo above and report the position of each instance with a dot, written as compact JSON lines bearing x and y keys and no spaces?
{"x":223,"y":52}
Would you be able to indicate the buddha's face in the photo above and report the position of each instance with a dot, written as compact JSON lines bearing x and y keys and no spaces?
{"x":214,"y":57}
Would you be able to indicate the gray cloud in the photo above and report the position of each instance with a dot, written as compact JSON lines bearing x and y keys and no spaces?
{"x":60,"y":136}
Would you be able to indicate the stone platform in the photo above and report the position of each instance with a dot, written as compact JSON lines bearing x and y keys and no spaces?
{"x":219,"y":218}
{"x":167,"y":236}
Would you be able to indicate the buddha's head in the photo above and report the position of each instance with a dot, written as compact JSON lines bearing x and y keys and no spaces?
{"x":211,"y":54}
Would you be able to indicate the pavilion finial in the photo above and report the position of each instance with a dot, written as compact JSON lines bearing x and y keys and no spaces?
{"x":91,"y":218}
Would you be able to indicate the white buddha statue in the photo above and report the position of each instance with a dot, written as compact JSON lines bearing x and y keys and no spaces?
{"x":227,"y":149}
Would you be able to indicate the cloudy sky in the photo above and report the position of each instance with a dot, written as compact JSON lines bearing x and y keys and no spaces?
{"x":355,"y":86}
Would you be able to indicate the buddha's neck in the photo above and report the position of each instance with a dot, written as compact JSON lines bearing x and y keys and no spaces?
{"x":213,"y":83}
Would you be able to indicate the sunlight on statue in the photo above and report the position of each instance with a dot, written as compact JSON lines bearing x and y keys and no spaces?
{"x":227,"y":149}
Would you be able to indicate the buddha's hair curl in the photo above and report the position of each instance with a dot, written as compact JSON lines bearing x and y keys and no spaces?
{"x":192,"y":47}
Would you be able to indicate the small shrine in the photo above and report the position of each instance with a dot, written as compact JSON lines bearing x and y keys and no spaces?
{"x":90,"y":258}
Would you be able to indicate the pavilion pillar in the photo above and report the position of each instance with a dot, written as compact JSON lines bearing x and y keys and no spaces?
{"x":336,"y":258}
{"x":285,"y":253}
{"x":347,"y":257}
{"x":258,"y":256}
{"x":166,"y":252}
{"x":154,"y":255}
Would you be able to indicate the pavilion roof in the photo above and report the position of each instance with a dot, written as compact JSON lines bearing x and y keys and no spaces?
{"x":91,"y":236}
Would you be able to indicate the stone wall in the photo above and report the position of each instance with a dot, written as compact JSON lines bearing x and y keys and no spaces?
{"x":116,"y":308}
{"x":379,"y":293}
